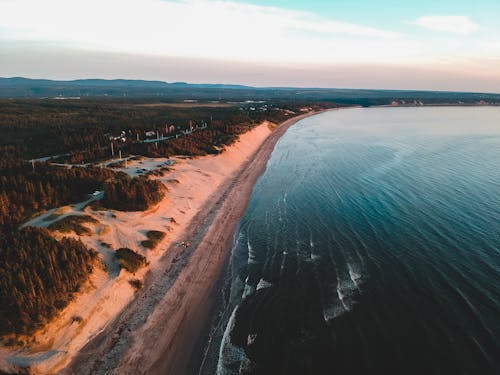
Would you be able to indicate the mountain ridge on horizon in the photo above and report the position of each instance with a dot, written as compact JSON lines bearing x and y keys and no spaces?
{"x":22,"y":87}
{"x":159,"y":83}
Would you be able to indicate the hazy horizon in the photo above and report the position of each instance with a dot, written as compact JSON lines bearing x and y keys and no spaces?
{"x":450,"y":46}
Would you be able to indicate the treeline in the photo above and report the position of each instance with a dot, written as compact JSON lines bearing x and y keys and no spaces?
{"x":38,"y":277}
{"x":132,"y":194}
{"x":38,"y":128}
{"x":31,"y":129}
{"x":24,"y":191}
{"x":207,"y":141}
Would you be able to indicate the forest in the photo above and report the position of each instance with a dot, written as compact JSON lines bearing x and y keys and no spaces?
{"x":124,"y":193}
{"x":38,"y":276}
{"x":80,"y":130}
{"x":25,"y":190}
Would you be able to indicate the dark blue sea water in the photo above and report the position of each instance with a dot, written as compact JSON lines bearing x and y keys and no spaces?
{"x":372,"y":245}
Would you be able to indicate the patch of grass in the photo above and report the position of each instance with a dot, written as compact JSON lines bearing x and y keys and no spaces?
{"x":130,"y":260}
{"x":154,"y":238}
{"x":73,"y":223}
{"x":102,"y":264}
{"x":103,"y":230}
{"x":37,"y":213}
{"x":51,"y":217}
{"x":117,"y":164}
{"x":136,"y":283}
{"x":156,"y":172}
{"x":13,"y":341}
{"x":272,"y":126}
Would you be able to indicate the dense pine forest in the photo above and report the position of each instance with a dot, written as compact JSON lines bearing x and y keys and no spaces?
{"x":25,"y":190}
{"x":132,"y":194}
{"x":37,"y":128}
{"x":38,"y":276}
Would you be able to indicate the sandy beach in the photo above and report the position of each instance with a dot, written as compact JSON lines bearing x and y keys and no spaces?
{"x":159,"y":328}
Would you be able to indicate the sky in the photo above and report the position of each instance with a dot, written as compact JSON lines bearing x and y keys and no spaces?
{"x":385,"y":44}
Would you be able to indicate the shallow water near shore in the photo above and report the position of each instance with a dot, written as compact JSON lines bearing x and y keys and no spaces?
{"x":371,"y":244}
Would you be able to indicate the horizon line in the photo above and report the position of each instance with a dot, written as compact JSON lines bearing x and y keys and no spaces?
{"x":243,"y":86}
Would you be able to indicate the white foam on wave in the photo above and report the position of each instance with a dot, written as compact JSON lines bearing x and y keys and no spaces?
{"x":345,"y":292}
{"x":355,"y":276}
{"x":263,"y":284}
{"x":249,"y":289}
{"x":344,"y":300}
{"x":251,"y":338}
{"x":333,"y":311}
{"x":251,"y":253}
{"x":230,"y":356}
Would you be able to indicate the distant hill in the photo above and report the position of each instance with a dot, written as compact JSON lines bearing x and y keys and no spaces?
{"x":19,"y":87}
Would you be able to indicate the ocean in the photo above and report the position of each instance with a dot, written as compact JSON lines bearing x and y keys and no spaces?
{"x":371,"y":244}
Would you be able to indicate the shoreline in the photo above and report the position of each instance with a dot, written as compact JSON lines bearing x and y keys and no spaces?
{"x":163,"y":328}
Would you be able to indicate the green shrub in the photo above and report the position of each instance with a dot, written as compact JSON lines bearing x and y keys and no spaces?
{"x":154,"y":238}
{"x":130,"y":260}
{"x":136,"y":283}
{"x":73,"y":223}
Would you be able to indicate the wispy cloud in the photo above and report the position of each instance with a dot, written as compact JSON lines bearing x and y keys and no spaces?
{"x":450,"y":24}
{"x":196,"y":28}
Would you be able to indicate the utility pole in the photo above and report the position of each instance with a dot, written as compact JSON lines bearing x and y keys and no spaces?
{"x":112,"y":150}
{"x":120,"y":154}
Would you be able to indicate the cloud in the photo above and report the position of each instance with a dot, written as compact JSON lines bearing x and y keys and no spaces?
{"x":450,"y":24}
{"x":196,"y":28}
{"x":227,"y":31}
